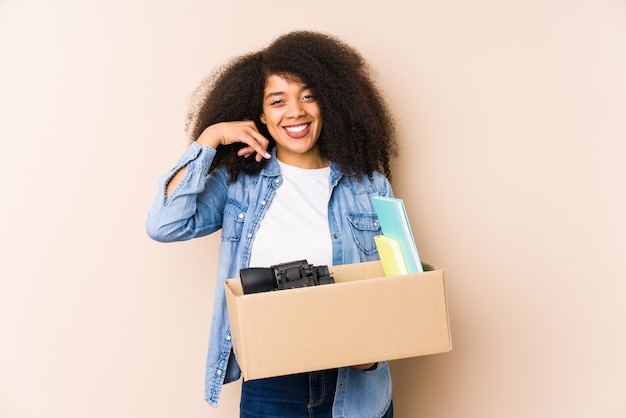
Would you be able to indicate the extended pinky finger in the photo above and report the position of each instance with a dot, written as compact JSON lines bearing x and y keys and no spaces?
{"x":246,"y":152}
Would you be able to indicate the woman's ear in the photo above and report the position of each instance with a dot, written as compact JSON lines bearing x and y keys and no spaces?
{"x":262,"y":118}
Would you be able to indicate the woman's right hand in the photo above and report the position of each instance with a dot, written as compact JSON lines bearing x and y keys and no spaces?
{"x":245,"y":131}
{"x":225,"y":133}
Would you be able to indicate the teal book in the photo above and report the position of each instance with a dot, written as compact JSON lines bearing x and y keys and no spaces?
{"x":394,"y":223}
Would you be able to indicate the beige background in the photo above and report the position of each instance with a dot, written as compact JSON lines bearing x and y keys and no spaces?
{"x":512,"y":117}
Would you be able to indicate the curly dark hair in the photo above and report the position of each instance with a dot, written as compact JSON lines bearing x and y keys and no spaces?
{"x":358,"y":132}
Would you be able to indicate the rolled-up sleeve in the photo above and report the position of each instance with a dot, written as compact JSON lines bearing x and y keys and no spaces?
{"x":195,"y":208}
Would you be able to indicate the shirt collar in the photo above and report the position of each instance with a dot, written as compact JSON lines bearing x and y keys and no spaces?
{"x":272,"y":169}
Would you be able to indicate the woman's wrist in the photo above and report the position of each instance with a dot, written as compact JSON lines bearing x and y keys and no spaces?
{"x":209,"y":137}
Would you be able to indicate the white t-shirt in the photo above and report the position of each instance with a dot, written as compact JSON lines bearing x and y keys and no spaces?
{"x":295,"y":226}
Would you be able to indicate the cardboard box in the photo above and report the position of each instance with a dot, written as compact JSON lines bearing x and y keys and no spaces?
{"x":362,"y":318}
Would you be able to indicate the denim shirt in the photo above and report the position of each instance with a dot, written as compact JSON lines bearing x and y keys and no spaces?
{"x":204,"y":203}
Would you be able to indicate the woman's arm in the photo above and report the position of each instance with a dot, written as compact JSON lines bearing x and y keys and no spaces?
{"x":223,"y":134}
{"x":194,"y":207}
{"x":190,"y":202}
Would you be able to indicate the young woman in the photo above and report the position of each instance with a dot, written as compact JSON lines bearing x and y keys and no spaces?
{"x":289,"y":145}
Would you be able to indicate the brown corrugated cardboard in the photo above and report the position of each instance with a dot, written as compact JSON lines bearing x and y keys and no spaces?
{"x":363,"y":318}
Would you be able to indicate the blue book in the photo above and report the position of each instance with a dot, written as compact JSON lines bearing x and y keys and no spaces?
{"x":395,"y":224}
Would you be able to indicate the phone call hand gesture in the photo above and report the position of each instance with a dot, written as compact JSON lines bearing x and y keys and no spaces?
{"x":245,"y":131}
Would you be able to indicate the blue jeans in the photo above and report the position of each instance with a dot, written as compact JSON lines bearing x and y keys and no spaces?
{"x":304,"y":395}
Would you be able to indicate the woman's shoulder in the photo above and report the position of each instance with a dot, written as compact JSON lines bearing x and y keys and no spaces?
{"x":374,"y":183}
{"x":375,"y":178}
{"x":378,"y":176}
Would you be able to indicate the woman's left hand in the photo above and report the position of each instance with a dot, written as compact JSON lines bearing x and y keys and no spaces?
{"x":364,"y":366}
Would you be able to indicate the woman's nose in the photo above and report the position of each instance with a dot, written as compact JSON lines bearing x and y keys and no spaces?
{"x":295,"y":108}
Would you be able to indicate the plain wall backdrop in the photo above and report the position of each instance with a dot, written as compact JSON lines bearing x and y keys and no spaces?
{"x":512,"y":118}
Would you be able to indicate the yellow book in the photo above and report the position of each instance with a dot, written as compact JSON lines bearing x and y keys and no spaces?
{"x":390,"y":255}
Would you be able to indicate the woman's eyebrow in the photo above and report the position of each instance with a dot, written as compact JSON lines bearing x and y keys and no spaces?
{"x":274,"y":93}
{"x":282,"y":93}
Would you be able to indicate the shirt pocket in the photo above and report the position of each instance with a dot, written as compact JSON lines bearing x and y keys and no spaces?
{"x":234,"y":218}
{"x":364,"y":227}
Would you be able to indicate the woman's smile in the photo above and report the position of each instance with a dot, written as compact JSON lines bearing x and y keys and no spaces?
{"x":297,"y":131}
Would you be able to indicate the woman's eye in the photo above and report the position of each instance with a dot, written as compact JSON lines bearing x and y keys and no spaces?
{"x":277,"y":101}
{"x":308,"y":97}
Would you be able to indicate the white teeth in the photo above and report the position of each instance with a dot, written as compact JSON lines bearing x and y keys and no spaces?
{"x":296,"y":129}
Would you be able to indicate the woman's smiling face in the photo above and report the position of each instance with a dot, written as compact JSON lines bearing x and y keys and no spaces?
{"x":294,"y":120}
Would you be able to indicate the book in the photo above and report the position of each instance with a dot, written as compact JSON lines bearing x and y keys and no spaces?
{"x":394,"y":223}
{"x":390,"y":255}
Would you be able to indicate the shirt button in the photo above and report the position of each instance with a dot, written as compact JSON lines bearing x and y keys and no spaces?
{"x":228,"y":337}
{"x":263,"y":202}
{"x":376,"y":224}
{"x":219,"y":372}
{"x":277,"y":181}
{"x":341,"y":385}
{"x":336,"y":235}
{"x":249,"y":235}
{"x":241,"y":216}
{"x":354,"y":222}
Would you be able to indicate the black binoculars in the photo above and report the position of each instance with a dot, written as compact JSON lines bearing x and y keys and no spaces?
{"x":289,"y":275}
